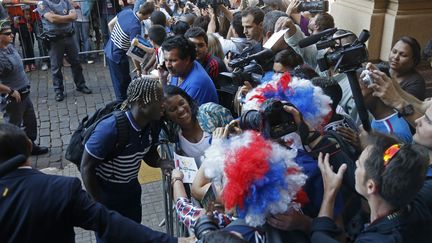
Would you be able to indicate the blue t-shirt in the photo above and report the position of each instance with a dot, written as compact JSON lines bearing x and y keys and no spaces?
{"x":394,"y":125}
{"x":128,"y":26}
{"x":198,"y":85}
{"x":123,"y":167}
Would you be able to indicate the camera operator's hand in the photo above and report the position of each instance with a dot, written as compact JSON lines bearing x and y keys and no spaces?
{"x":228,"y":59}
{"x":291,"y":220}
{"x":233,"y":127}
{"x":295,"y":113}
{"x":286,"y":23}
{"x":332,"y":181}
{"x":293,"y":7}
{"x":246,"y":88}
{"x":350,"y":136}
{"x":384,"y":87}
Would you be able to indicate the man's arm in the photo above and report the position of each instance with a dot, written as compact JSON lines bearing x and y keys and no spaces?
{"x":111,"y":226}
{"x":112,"y":23}
{"x":88,"y":173}
{"x":60,"y":19}
{"x":390,"y":92}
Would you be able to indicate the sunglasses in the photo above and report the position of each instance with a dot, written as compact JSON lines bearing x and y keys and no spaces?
{"x":7,"y":33}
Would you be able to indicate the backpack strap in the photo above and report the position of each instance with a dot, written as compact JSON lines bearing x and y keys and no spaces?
{"x":123,"y":130}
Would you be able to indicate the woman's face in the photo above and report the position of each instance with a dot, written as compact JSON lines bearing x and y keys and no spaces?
{"x":178,"y":110}
{"x":401,"y":57}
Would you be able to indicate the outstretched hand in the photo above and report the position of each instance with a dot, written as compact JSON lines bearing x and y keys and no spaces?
{"x":332,"y":181}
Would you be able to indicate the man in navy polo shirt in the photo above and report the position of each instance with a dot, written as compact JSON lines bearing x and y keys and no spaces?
{"x":113,"y":181}
{"x":124,"y":27}
{"x":186,"y":73}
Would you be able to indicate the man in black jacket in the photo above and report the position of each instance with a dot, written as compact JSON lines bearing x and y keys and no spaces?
{"x":35,"y":207}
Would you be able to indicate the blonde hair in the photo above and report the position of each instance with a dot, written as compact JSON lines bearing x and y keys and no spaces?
{"x":214,"y":46}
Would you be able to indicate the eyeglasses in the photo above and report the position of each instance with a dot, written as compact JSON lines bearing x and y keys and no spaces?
{"x":7,"y":33}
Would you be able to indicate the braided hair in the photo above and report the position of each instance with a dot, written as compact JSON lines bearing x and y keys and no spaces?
{"x":142,"y":88}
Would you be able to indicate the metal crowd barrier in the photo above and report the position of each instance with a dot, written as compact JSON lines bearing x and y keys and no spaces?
{"x":23,"y":14}
{"x":171,"y":220}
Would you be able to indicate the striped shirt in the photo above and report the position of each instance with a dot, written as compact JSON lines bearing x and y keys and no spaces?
{"x":127,"y":27}
{"x":124,"y":167}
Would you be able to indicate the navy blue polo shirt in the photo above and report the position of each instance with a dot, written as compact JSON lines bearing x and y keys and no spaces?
{"x":124,"y":167}
{"x":127,"y":27}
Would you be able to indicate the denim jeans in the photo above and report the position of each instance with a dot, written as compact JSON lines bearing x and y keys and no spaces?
{"x":82,"y":37}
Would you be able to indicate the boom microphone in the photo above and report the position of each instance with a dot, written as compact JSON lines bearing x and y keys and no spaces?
{"x":11,"y":164}
{"x":315,"y":38}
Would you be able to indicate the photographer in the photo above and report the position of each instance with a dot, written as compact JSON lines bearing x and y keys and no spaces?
{"x":390,"y":92}
{"x":385,"y":119}
{"x":319,"y":23}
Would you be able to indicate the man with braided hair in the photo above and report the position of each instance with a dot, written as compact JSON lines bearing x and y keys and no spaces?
{"x":112,"y":180}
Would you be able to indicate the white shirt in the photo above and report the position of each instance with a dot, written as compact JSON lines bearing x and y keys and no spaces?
{"x":195,"y":150}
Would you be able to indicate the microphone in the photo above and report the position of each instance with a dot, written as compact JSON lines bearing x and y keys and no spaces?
{"x":11,"y":164}
{"x":315,"y":38}
{"x":262,"y":55}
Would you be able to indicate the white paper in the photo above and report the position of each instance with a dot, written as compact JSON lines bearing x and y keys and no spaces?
{"x":274,"y":38}
{"x":187,"y":165}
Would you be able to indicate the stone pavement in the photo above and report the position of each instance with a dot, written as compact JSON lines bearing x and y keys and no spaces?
{"x":57,"y":121}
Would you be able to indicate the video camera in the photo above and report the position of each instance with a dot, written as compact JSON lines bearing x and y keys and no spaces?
{"x":272,"y":120}
{"x":314,"y":7}
{"x":246,"y":68}
{"x":345,"y":59}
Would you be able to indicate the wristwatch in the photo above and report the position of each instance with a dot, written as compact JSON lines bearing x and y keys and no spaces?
{"x":407,"y":110}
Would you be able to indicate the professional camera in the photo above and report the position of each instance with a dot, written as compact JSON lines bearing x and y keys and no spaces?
{"x":246,"y":68}
{"x":252,"y":73}
{"x":314,"y":7}
{"x":272,"y":120}
{"x":344,"y":57}
{"x":204,"y":225}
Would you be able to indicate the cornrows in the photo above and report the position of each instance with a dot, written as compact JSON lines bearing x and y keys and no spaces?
{"x":142,"y":88}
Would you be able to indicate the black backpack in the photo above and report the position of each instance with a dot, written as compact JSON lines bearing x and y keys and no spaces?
{"x":75,"y":149}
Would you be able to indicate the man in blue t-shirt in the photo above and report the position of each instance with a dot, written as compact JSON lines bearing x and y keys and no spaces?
{"x":124,"y":27}
{"x":186,"y":73}
{"x":112,"y":179}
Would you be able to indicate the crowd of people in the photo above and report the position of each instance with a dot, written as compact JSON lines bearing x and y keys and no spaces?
{"x":281,"y":149}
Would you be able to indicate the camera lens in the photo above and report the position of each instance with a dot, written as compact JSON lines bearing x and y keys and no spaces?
{"x":251,"y":120}
{"x":204,"y":225}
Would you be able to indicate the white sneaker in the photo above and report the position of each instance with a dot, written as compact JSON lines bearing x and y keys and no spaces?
{"x":44,"y":67}
{"x":90,"y":61}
